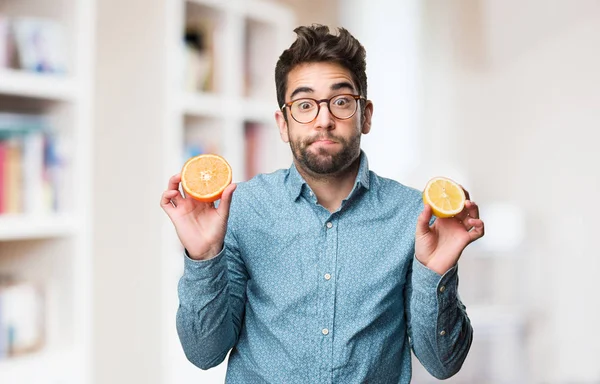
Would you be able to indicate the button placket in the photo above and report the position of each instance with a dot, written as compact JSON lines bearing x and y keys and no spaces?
{"x":328,"y":285}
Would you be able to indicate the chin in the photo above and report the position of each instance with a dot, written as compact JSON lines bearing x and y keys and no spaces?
{"x":323,"y":165}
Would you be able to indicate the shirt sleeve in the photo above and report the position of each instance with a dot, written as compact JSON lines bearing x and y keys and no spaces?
{"x":439,"y":329}
{"x":212,"y":295}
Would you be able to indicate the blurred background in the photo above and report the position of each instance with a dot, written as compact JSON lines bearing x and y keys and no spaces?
{"x":101,"y":101}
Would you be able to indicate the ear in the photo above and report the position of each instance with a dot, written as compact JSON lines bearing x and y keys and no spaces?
{"x":283,"y":128}
{"x":367,"y":116}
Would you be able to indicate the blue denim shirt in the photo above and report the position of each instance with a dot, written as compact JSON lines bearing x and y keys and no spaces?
{"x":302,"y":295}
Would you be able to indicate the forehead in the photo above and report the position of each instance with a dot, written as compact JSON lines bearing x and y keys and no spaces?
{"x":318,"y":77}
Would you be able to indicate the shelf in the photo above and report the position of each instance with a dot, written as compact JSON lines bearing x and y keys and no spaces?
{"x":204,"y":104}
{"x":36,"y":85}
{"x":260,"y":111}
{"x":44,"y":367}
{"x":212,"y":105}
{"x":260,"y":10}
{"x":267,"y":12}
{"x":214,"y":4}
{"x":21,"y":227}
{"x":47,"y":244}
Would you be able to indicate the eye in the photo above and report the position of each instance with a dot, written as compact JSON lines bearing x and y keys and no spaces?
{"x":342,"y":101}
{"x":304,"y":105}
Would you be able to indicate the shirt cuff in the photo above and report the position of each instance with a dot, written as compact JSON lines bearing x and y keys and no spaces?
{"x":431,"y":288}
{"x":206,"y":275}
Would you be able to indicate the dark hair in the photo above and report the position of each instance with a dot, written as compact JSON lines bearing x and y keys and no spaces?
{"x":315,"y":44}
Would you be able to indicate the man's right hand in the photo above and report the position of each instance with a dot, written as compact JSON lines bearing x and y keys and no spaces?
{"x":200,"y":226}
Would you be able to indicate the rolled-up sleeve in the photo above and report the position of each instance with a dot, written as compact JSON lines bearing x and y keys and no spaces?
{"x":439,"y":329}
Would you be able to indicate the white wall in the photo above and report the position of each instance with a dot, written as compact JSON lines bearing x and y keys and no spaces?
{"x":529,"y":112}
{"x":526,"y":112}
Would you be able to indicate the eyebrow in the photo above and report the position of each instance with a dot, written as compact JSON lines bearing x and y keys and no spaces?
{"x":334,"y":87}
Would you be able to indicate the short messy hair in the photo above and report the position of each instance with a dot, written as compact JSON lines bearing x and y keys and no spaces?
{"x":316,"y":44}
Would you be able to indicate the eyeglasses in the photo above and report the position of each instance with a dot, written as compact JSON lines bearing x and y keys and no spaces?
{"x":306,"y":110}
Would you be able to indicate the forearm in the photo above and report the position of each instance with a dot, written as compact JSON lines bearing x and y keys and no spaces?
{"x":205,"y":322}
{"x":441,"y":332}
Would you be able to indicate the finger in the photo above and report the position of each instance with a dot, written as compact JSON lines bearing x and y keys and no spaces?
{"x":472,"y":209}
{"x":478,"y":229}
{"x":174,"y":181}
{"x":423,"y":221}
{"x":166,"y":198}
{"x":467,"y":223}
{"x":225,"y":202}
{"x":467,"y":195}
{"x":462,"y":215}
{"x":176,"y":194}
{"x":178,"y":198}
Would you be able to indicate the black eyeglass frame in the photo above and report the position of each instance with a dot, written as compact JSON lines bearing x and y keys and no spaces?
{"x":319,"y":102}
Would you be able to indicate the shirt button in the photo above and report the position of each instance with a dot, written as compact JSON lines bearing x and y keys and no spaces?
{"x":442,"y":333}
{"x":325,"y":331}
{"x":329,"y":225}
{"x":310,"y":193}
{"x":327,"y":276}
{"x":442,"y":288}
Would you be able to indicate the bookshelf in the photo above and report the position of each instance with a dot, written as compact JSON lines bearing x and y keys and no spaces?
{"x":17,"y":227}
{"x":19,"y":83}
{"x":242,"y":41}
{"x":47,"y":245}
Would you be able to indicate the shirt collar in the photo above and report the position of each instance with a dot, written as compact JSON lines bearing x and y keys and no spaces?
{"x":295,"y":181}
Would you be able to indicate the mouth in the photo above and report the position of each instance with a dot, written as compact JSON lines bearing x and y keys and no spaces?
{"x":324,"y":141}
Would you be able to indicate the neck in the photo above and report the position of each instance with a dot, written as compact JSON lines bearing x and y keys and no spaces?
{"x":331,"y":189}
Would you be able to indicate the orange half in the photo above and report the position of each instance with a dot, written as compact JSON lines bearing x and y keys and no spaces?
{"x":205,"y":177}
{"x":445,"y":197}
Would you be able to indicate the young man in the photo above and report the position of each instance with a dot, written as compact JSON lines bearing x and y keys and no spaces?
{"x":324,"y":272}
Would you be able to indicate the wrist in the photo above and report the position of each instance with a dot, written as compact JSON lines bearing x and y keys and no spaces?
{"x":202,"y":256}
{"x":439,"y":267}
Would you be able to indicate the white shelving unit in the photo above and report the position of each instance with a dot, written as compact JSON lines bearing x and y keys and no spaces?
{"x":20,"y":83}
{"x":247,"y":39}
{"x":22,"y":227}
{"x":53,"y":249}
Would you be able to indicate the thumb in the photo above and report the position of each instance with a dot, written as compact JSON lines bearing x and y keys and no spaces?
{"x":423,"y":221}
{"x":225,"y":202}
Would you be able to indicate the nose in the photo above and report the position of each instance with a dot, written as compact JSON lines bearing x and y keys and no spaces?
{"x":324,"y":118}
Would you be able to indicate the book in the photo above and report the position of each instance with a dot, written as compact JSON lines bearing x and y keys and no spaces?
{"x":4,"y":42}
{"x":31,"y":165}
{"x":40,"y":45}
{"x":12,"y":176}
{"x":3,"y":154}
{"x":22,"y":318}
{"x":199,"y":56}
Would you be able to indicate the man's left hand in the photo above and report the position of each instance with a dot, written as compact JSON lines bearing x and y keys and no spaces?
{"x":440,"y":245}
